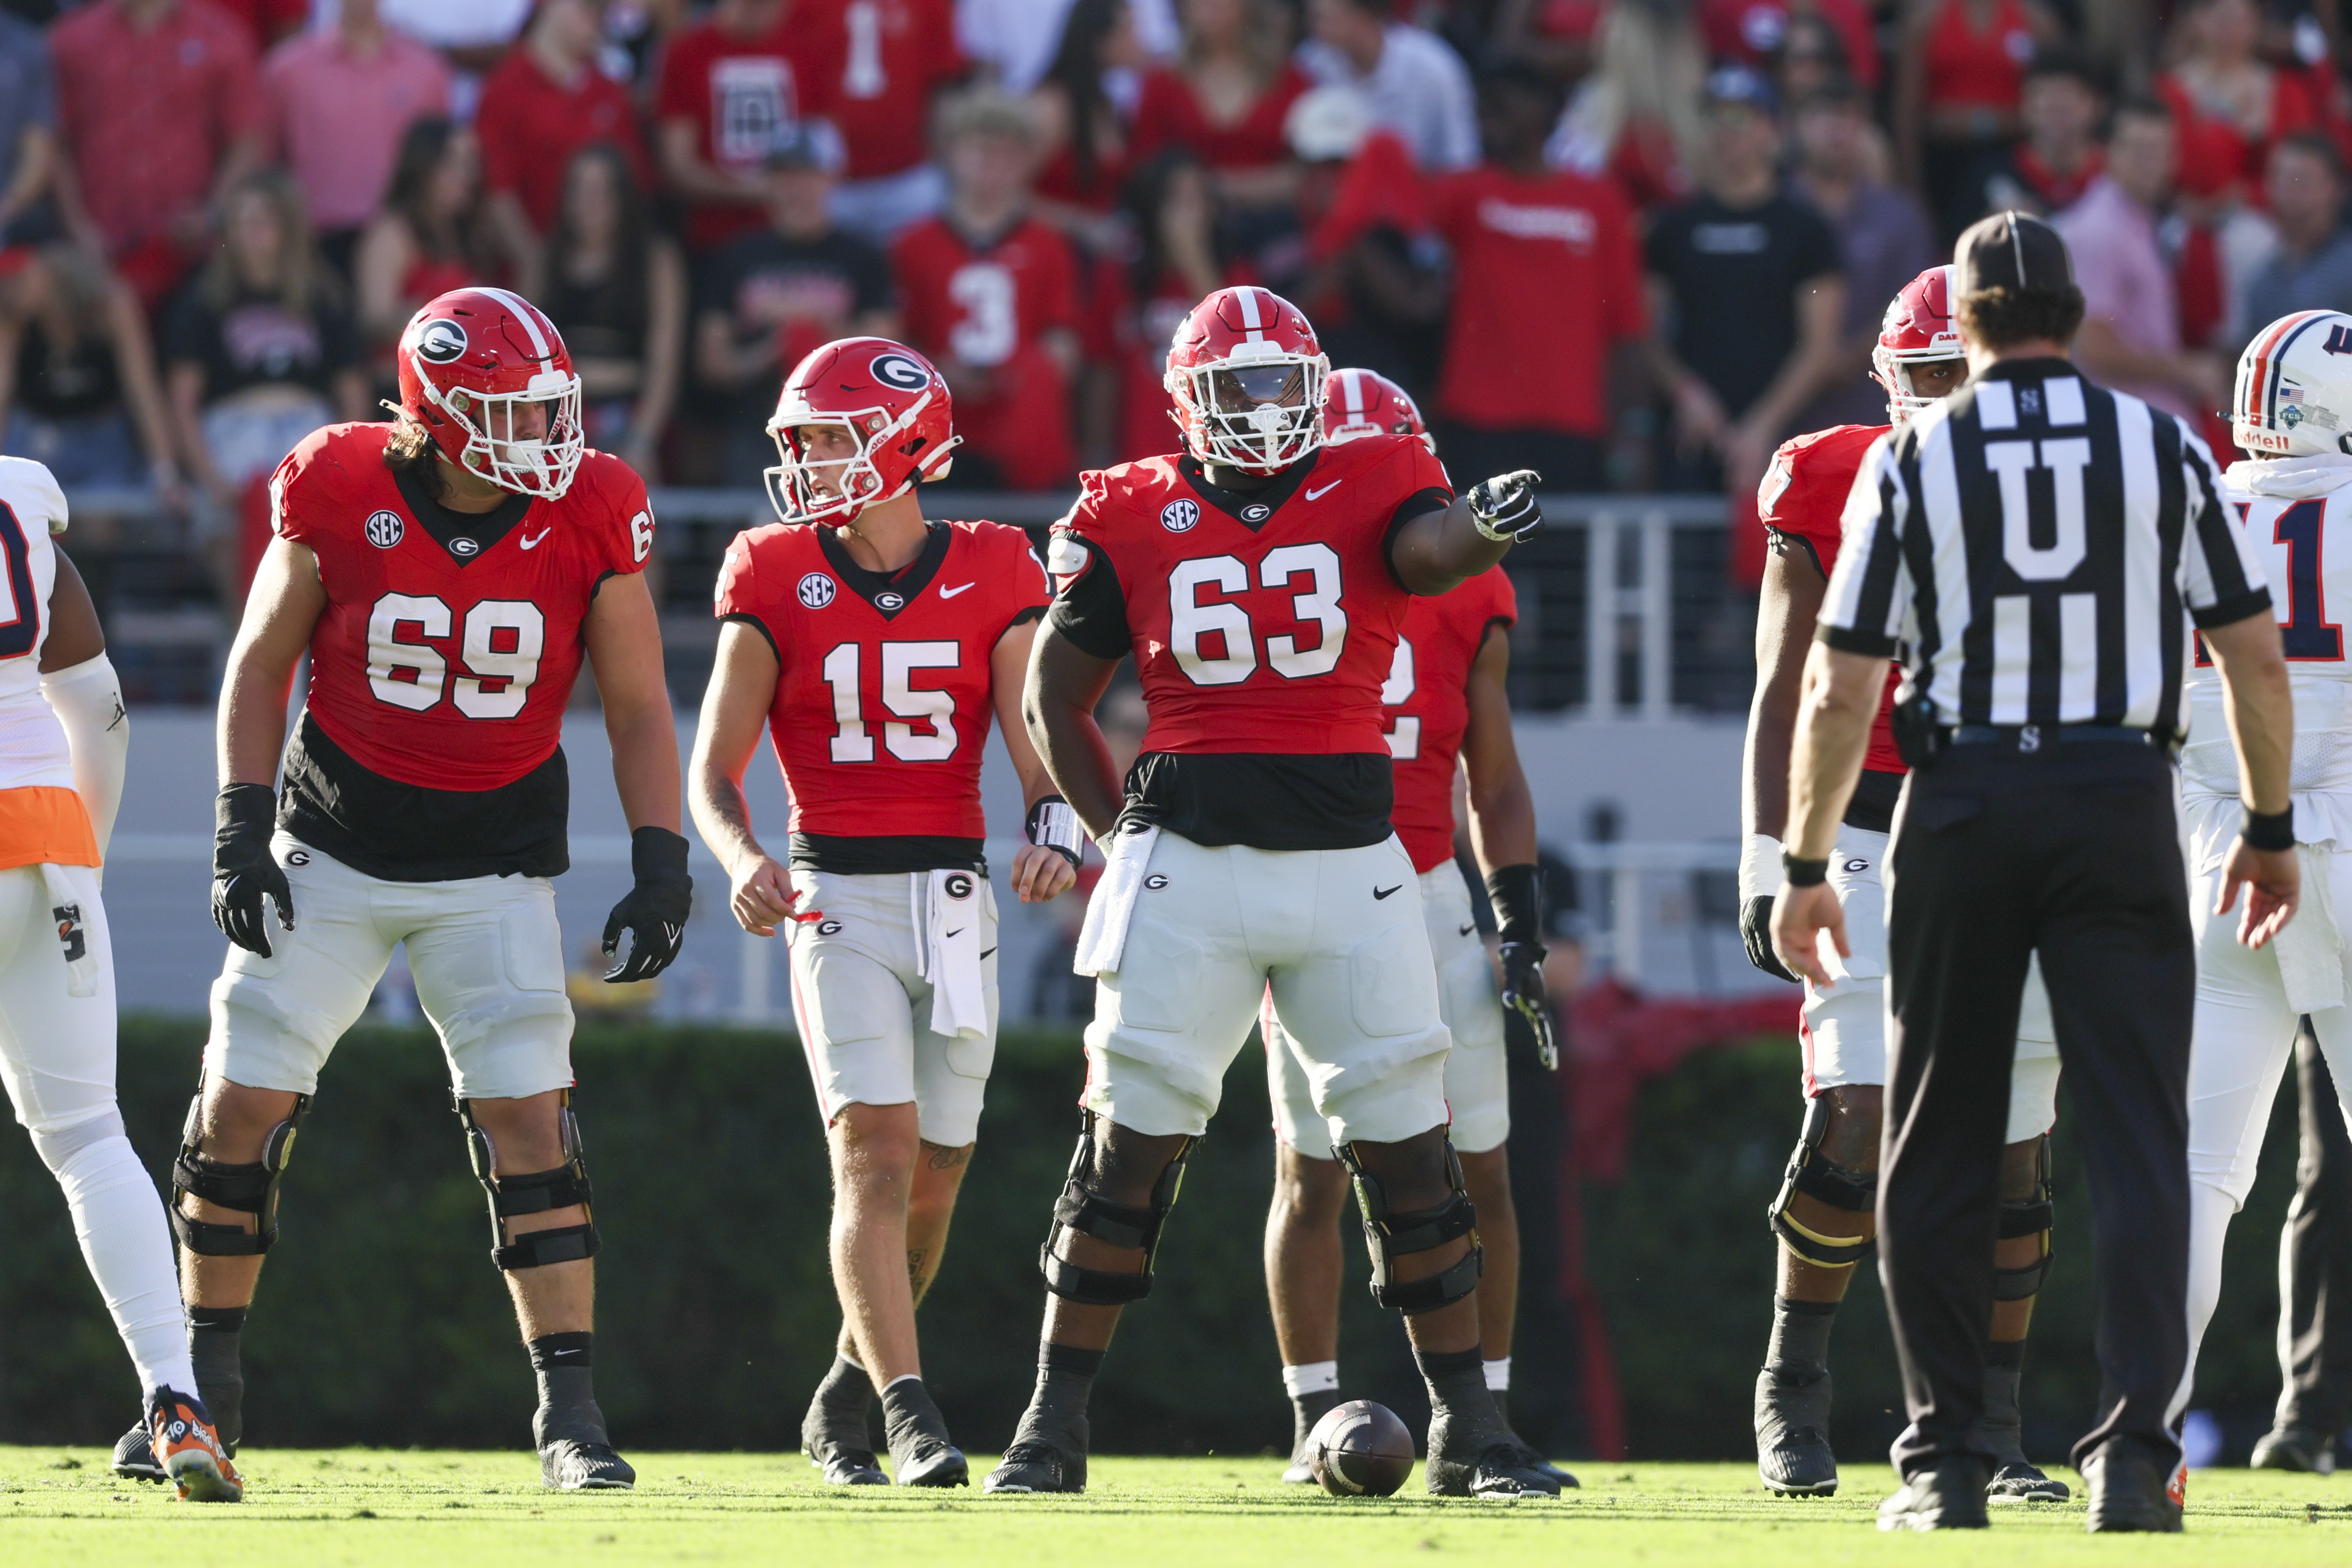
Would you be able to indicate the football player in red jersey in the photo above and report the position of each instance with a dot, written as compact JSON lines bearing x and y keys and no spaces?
{"x":1823,"y":1214}
{"x":1260,"y":580}
{"x":1447,"y":707}
{"x":874,"y":647}
{"x":445,"y":574}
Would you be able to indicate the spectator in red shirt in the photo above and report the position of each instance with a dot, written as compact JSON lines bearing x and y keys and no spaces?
{"x":1085,"y":144}
{"x":726,"y":83}
{"x":432,"y":236}
{"x":1225,"y":98}
{"x":1958,"y":83}
{"x":1547,"y":270}
{"x":159,"y":106}
{"x":2228,"y":103}
{"x":1174,"y":215}
{"x":339,"y":101}
{"x":991,"y":296}
{"x":617,"y":290}
{"x":272,"y":22}
{"x":544,"y":102}
{"x":1754,"y":32}
{"x":887,"y":61}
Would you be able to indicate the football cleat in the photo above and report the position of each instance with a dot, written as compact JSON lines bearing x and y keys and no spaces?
{"x":1032,"y":1464}
{"x":1532,"y":1461}
{"x":931,"y":1461}
{"x":1949,"y":1497}
{"x":1792,"y":1439}
{"x":2285,"y":1449}
{"x":134,"y":1455}
{"x":1500,"y":1470}
{"x":567,"y":1464}
{"x":2022,"y":1481}
{"x":182,"y":1442}
{"x":850,"y":1468}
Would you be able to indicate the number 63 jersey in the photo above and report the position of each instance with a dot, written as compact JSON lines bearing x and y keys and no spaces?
{"x":2296,"y":515}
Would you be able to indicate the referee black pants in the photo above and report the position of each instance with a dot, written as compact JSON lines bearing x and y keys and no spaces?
{"x":2072,"y":850}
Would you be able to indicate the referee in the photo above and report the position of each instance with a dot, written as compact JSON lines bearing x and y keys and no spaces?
{"x":2039,"y":546}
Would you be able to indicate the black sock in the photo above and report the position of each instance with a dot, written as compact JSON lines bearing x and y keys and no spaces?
{"x":215,"y":1347}
{"x":1502,"y":1398}
{"x":1800,"y":1348}
{"x":909,"y":1414}
{"x":1306,"y":1409}
{"x":1460,"y":1401}
{"x":2005,"y":1352}
{"x":567,"y":1390}
{"x":843,"y":1410}
{"x":1066,"y":1381}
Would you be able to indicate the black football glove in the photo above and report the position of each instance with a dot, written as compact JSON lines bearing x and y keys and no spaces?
{"x":1526,"y":1011}
{"x":1756,"y":931}
{"x":1504,"y":507}
{"x":244,"y":871}
{"x":654,"y":912}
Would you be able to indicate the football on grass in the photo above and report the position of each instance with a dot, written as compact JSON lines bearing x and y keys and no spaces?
{"x":1359,"y":1449}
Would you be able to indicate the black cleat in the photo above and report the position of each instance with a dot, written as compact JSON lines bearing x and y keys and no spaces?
{"x":840,"y":1443}
{"x":920,"y":1452}
{"x":2280,"y":1449}
{"x":1472,"y":1455}
{"x":567,"y":1464}
{"x":1033,"y":1465}
{"x":134,"y":1457}
{"x":2015,"y":1477}
{"x":2022,"y":1481}
{"x":1949,"y":1497}
{"x":930,"y":1462}
{"x":2129,"y":1491}
{"x":1792,"y":1438}
{"x":1532,"y":1461}
{"x":850,"y":1468}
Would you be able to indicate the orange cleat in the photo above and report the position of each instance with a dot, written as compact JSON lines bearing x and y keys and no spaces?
{"x":190,"y":1452}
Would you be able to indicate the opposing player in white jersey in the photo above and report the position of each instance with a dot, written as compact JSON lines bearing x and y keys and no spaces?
{"x":64,"y":743}
{"x":2292,"y":409}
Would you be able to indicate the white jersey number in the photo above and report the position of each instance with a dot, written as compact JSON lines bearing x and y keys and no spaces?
{"x":1404,"y":736}
{"x":932,"y":708}
{"x":503,"y":642}
{"x":1189,"y":619}
{"x":990,"y":328}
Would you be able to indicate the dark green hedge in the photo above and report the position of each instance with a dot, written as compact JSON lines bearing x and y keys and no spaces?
{"x":381,"y":1320}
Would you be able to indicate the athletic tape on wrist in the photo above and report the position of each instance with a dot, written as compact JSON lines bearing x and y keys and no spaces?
{"x":1759,"y":867}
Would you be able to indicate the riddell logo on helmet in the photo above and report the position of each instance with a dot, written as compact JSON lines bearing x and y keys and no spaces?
{"x":899,"y":371}
{"x":440,"y":343}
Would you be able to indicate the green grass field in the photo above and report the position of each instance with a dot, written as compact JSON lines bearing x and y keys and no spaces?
{"x":457,"y":1510}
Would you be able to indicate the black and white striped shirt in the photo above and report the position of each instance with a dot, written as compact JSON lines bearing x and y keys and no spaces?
{"x":2039,"y":544}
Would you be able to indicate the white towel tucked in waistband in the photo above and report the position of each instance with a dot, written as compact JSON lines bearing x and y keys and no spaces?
{"x":2310,"y":950}
{"x":73,"y":936}
{"x":949,"y":915}
{"x":1103,"y":938}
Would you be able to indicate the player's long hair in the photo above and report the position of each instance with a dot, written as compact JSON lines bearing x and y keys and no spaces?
{"x":411,"y":450}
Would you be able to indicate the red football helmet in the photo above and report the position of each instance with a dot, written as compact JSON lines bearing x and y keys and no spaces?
{"x":1918,"y":328}
{"x":1365,"y":402}
{"x":476,"y":361}
{"x":1246,"y":375}
{"x":890,"y":398}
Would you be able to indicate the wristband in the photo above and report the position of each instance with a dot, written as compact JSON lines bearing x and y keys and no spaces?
{"x":1802,"y":873}
{"x":657,"y":855}
{"x":2271,"y":832}
{"x":1759,"y":867}
{"x":1517,"y":893}
{"x":1054,"y":825}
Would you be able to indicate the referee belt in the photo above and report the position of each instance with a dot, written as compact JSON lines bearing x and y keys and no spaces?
{"x":2030,"y":738}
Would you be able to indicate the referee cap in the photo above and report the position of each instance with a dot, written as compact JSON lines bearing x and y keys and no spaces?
{"x":2012,"y":250}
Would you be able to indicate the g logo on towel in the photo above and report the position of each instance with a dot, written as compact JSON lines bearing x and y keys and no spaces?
{"x":1155,"y":882}
{"x":959,"y":885}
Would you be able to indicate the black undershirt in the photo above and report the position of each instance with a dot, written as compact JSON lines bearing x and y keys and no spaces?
{"x":405,"y":832}
{"x":887,"y":854}
{"x":1874,"y":796}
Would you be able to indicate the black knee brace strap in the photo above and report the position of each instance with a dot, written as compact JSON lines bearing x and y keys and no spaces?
{"x":1087,"y":1212}
{"x":2028,"y":1216}
{"x":1390,"y":1234}
{"x":248,"y":1189}
{"x":535,"y":1192}
{"x":1855,"y":1192}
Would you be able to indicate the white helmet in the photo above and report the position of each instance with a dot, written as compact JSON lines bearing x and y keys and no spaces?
{"x":2294,"y":397}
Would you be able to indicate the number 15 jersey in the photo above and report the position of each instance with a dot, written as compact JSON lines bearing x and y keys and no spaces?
{"x":1263,"y":627}
{"x":2296,"y":515}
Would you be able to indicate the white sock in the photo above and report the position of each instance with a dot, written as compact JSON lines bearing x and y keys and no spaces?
{"x":1311,"y":1378}
{"x":119,"y":1220}
{"x":1498,"y":1375}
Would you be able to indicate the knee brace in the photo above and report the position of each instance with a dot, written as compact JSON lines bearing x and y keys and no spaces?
{"x":1087,"y":1212}
{"x":534,"y":1192}
{"x":248,"y":1189}
{"x":1855,"y":1192}
{"x":2027,"y":1216}
{"x":1392,"y":1233}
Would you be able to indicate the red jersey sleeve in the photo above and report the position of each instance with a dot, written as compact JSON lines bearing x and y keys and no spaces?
{"x":738,"y":592}
{"x":1503,"y":603}
{"x":304,"y":490}
{"x":1802,"y":496}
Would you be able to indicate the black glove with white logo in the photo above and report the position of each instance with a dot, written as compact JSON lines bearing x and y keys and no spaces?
{"x":654,"y":912}
{"x":1755,"y":936}
{"x":244,"y":871}
{"x":1504,"y":507}
{"x":1517,"y":893}
{"x":1759,"y":881}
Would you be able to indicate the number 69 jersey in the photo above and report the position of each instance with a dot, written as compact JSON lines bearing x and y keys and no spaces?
{"x":2296,"y":513}
{"x":884,"y":689}
{"x":1263,"y":627}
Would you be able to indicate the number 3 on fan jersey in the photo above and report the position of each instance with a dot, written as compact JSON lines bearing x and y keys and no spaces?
{"x":899,"y":662}
{"x":1189,"y":619}
{"x":504,"y":639}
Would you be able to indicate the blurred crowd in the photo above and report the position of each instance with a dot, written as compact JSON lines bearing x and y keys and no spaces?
{"x":1633,"y":244}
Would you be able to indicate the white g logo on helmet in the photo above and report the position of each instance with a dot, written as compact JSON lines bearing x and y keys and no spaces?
{"x":438,"y":343}
{"x":899,"y":371}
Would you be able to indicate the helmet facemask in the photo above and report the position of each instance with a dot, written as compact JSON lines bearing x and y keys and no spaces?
{"x":541,"y":464}
{"x":1259,"y":409}
{"x":1892,"y":371}
{"x":852,"y":482}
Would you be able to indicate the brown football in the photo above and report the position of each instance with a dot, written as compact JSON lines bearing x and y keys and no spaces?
{"x":1359,"y":1449}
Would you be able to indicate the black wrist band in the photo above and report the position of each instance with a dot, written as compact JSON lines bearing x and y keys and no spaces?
{"x":656,"y":854}
{"x":1517,"y":893}
{"x":2271,"y":832}
{"x":1804,"y":873}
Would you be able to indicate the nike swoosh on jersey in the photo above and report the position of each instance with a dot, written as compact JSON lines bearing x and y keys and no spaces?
{"x":530,"y":541}
{"x":1318,"y":495}
{"x":951,"y":592}
{"x":1384,"y":891}
{"x":1467,"y":929}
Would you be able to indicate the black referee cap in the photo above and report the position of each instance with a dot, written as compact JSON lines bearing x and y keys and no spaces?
{"x":2012,"y":250}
